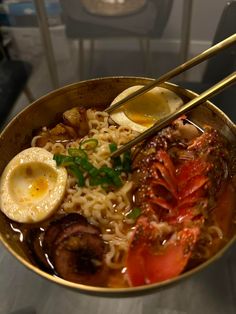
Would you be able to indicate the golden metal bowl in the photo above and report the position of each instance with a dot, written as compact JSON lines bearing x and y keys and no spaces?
{"x":99,"y":93}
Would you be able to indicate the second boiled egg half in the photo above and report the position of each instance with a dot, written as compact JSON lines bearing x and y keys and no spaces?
{"x":142,"y":112}
{"x":32,"y":186}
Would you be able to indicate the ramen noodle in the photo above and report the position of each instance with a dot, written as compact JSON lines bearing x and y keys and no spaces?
{"x":104,"y":209}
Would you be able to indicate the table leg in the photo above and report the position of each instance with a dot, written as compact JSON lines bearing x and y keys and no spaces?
{"x":185,"y":31}
{"x":47,"y":42}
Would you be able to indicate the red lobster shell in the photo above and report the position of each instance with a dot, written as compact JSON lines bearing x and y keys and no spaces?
{"x":177,"y":183}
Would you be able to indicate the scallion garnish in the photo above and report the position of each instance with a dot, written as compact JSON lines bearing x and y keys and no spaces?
{"x":90,"y":143}
{"x":112,"y":174}
{"x":63,"y":160}
{"x":74,"y":169}
{"x":134,"y":213}
{"x":78,"y":164}
{"x":127,"y":161}
{"x":77,"y":152}
{"x":119,"y":164}
{"x":86,"y":165}
{"x":113,"y":147}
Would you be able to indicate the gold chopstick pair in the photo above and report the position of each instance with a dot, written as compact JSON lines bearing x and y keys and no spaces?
{"x":212,"y":91}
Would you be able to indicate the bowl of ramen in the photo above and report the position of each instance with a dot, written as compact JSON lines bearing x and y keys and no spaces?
{"x":119,"y":226}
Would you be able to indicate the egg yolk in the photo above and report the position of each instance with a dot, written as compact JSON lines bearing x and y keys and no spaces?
{"x":147,"y":109}
{"x":39,"y":187}
{"x":31,"y":183}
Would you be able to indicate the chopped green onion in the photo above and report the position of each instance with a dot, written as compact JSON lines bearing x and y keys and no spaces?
{"x":103,"y":181}
{"x":79,"y":165}
{"x":127,"y":161}
{"x":116,"y":161}
{"x":106,"y":177}
{"x":77,"y":152}
{"x":117,"y":164}
{"x":117,"y":181}
{"x":86,"y":166}
{"x":113,"y":147}
{"x":112,"y":174}
{"x":106,"y":170}
{"x":134,"y":213}
{"x":74,"y":169}
{"x":90,"y":143}
{"x":93,"y":172}
{"x":62,"y":160}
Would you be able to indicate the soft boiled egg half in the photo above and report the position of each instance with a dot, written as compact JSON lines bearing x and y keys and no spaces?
{"x":31,"y":186}
{"x":142,"y":112}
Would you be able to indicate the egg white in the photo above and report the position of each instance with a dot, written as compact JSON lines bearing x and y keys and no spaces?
{"x":172,"y":99}
{"x":32,"y":186}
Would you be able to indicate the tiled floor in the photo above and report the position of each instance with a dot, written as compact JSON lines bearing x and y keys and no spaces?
{"x":212,"y":291}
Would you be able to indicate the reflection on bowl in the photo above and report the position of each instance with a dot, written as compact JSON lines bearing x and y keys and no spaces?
{"x":99,"y":93}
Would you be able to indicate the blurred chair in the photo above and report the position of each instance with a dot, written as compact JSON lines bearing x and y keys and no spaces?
{"x":220,"y":65}
{"x":146,"y":24}
{"x":13,"y":78}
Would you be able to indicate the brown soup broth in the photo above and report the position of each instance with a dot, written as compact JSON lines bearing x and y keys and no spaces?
{"x":27,"y":234}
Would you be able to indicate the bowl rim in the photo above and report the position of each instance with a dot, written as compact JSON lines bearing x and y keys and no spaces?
{"x":129,"y":291}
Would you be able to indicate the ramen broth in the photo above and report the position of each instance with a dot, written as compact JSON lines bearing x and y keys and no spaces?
{"x":128,"y":208}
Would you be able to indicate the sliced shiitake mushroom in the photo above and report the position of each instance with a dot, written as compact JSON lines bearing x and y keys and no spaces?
{"x":34,"y":241}
{"x":76,"y":250}
{"x":57,"y":226}
{"x":79,"y":258}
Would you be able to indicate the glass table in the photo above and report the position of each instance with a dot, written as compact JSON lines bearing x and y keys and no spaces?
{"x":48,"y":48}
{"x":211,"y":291}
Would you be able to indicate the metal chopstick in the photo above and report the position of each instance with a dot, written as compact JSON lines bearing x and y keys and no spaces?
{"x":212,"y":91}
{"x":176,"y":71}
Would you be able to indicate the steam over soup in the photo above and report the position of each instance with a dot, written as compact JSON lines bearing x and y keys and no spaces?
{"x":144,"y":217}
